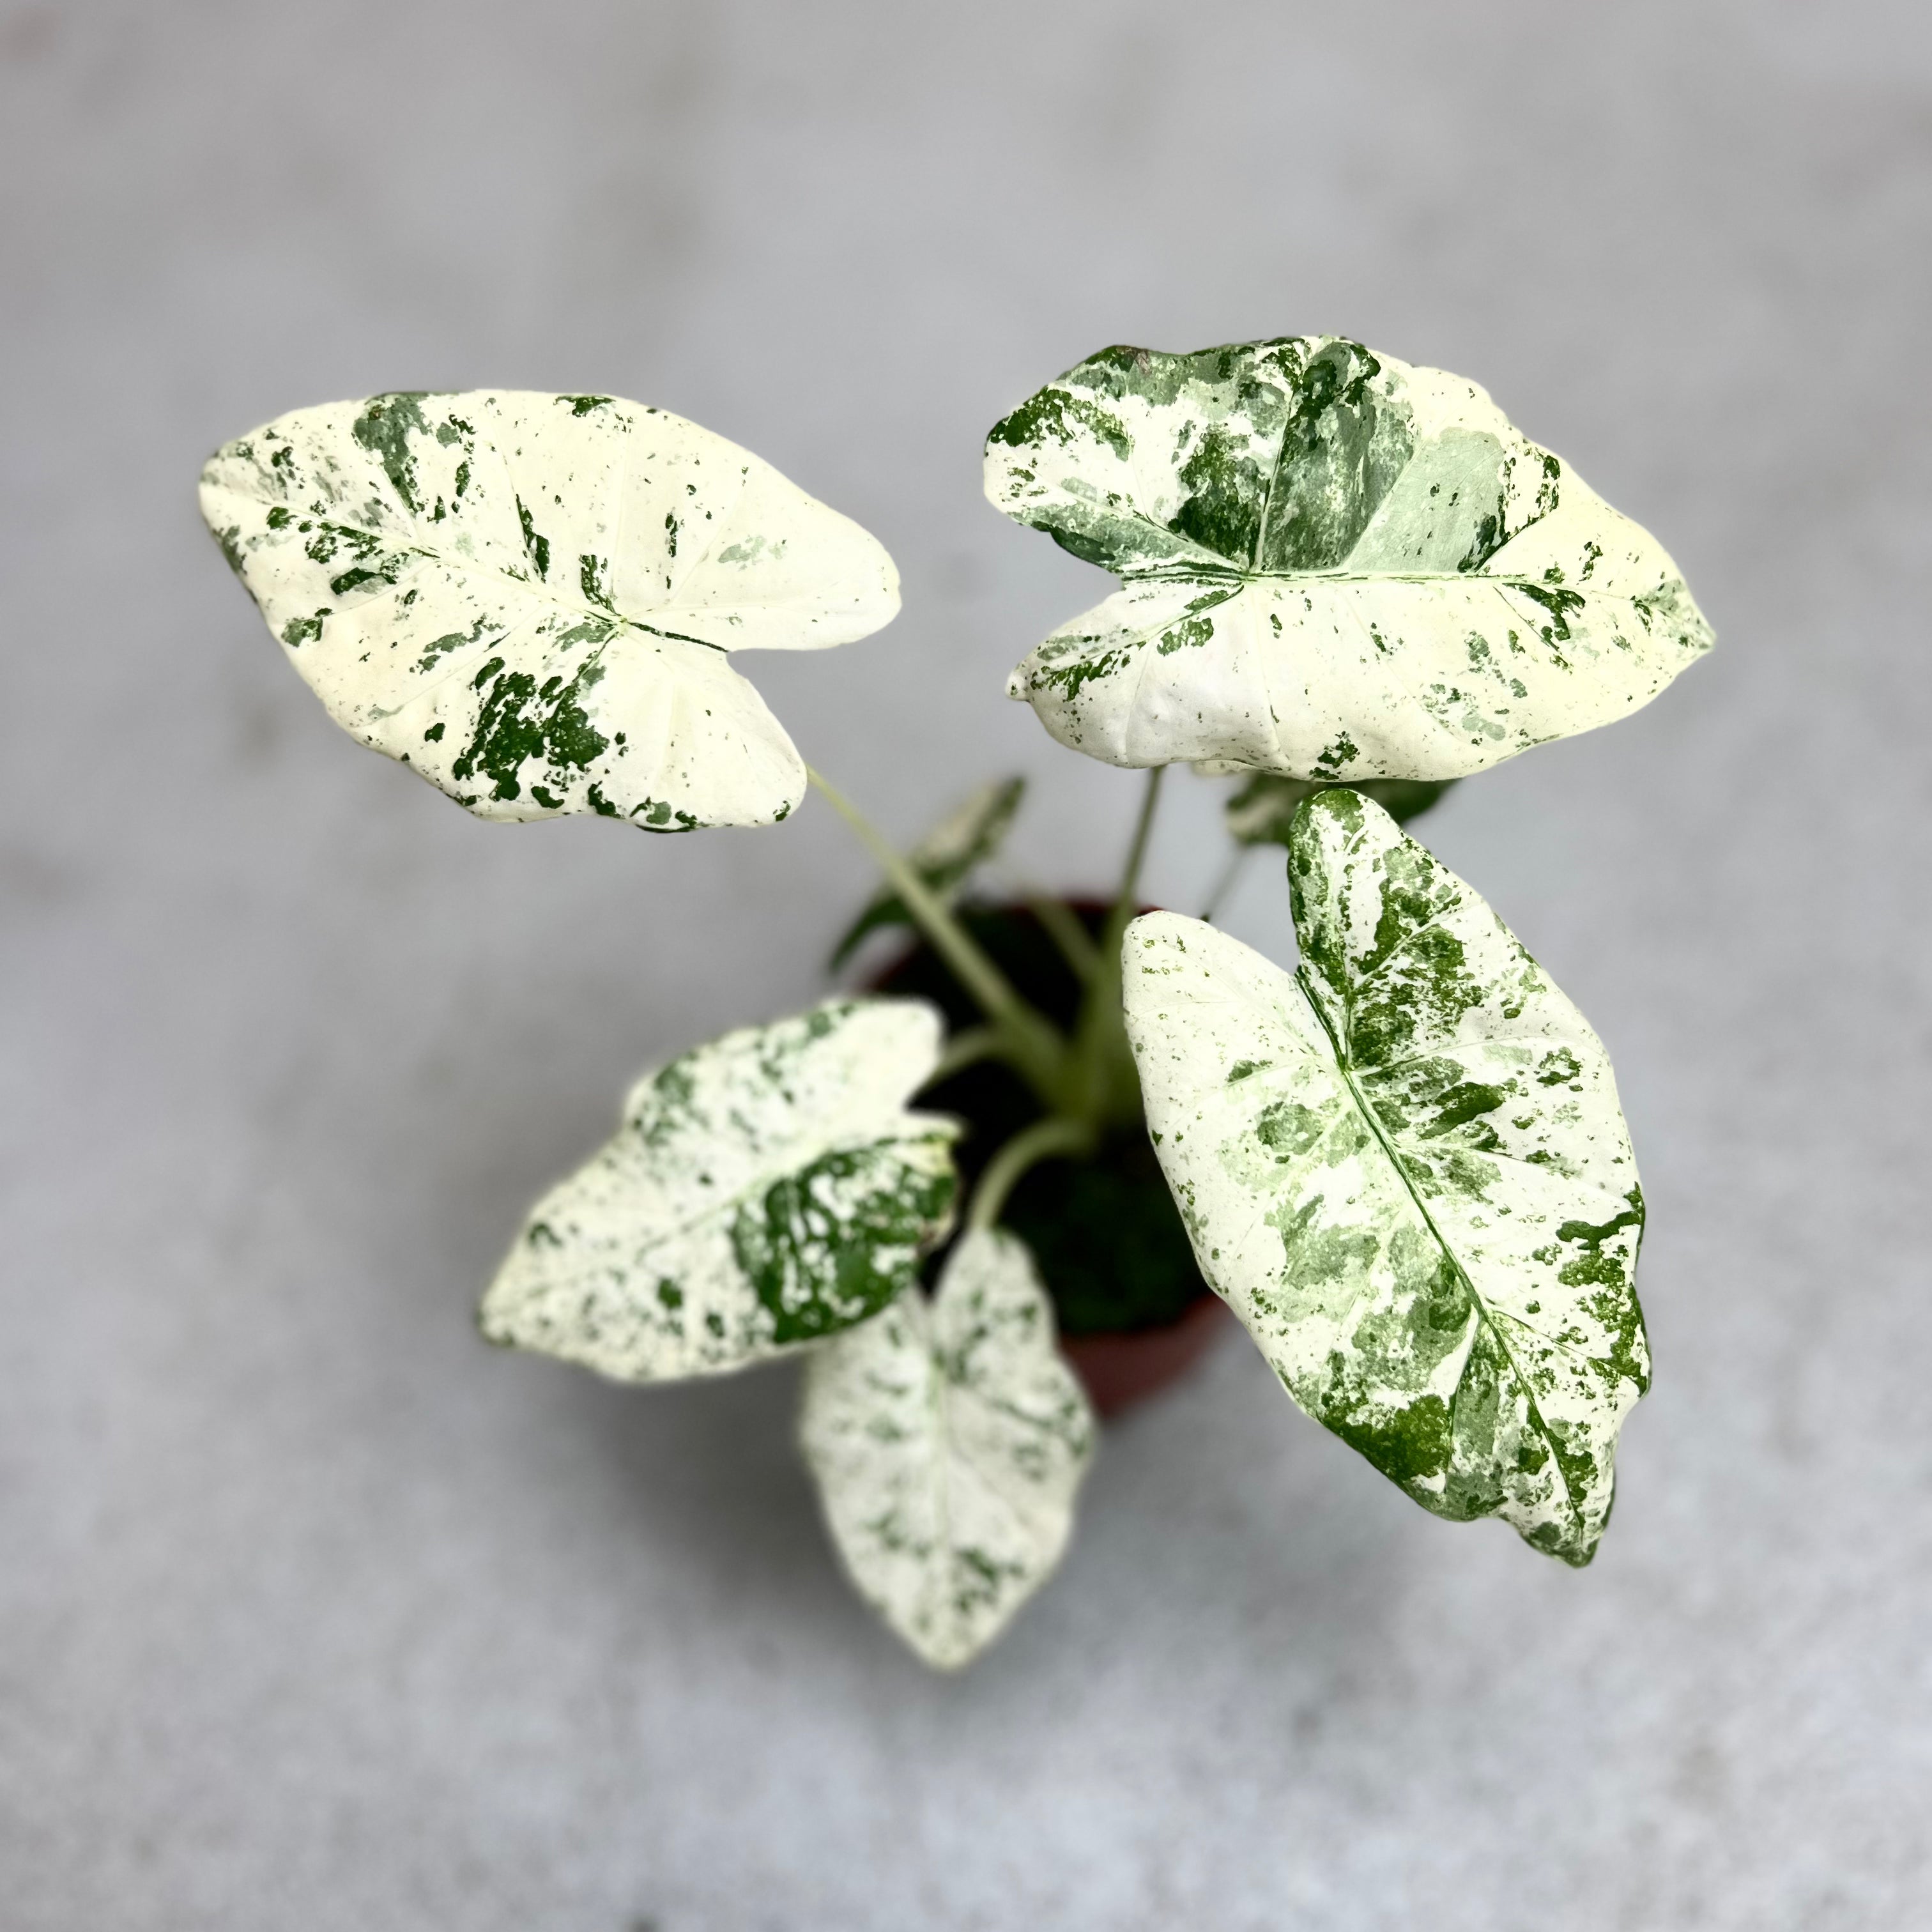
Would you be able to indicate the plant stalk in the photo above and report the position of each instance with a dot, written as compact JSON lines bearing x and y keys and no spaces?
{"x":1125,"y":899}
{"x":1031,"y":1041}
{"x":1057,"y":1134}
{"x":1225,"y":884}
{"x":967,"y":1048}
{"x":1062,"y":924}
{"x":1109,"y":1087}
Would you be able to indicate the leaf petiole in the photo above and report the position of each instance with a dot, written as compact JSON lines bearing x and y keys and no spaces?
{"x":1062,"y":926}
{"x":1057,"y":1134}
{"x":1108,"y":1086}
{"x":968,"y":1049}
{"x":1225,"y":884}
{"x":1033,"y":1044}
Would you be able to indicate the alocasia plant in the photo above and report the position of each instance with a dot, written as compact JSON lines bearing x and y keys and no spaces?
{"x":1332,"y":566}
{"x":1345,"y":583}
{"x":1405,"y":1168}
{"x":763,"y":1191}
{"x":949,"y":1438}
{"x":530,"y":598}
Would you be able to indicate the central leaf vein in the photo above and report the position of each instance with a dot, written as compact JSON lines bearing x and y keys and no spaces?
{"x":1483,"y":1312}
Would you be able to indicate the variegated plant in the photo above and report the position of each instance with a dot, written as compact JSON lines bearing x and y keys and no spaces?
{"x":1404,"y":1167}
{"x":1332,"y":565}
{"x":1345,"y":583}
{"x":531,"y":599}
{"x":949,"y":1439}
{"x":763,"y":1191}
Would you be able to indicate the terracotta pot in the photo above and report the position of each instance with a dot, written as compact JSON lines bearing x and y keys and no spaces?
{"x":1119,"y":1370}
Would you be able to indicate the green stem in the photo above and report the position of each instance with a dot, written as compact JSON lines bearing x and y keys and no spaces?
{"x":1061,"y":924}
{"x":1225,"y":884}
{"x":1055,"y":1134}
{"x":964,"y":1049}
{"x":1108,"y":1087}
{"x":1127,"y":898}
{"x":1035,"y":1047}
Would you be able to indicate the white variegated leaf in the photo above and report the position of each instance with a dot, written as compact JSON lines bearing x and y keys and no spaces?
{"x":945,"y":859}
{"x":763,"y":1191}
{"x":1406,"y":1169}
{"x":948,"y":1439}
{"x":528,"y":598}
{"x":1332,"y":565}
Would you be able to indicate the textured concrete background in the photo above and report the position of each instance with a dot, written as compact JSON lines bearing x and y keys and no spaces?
{"x":313,"y":1612}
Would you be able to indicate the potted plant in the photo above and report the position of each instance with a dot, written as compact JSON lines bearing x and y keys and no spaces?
{"x":1343,"y":582}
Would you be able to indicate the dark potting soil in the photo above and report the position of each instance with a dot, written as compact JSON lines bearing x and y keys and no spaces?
{"x":1104,"y":1230}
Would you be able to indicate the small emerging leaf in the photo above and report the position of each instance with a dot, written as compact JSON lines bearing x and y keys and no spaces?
{"x":528,"y":599}
{"x":1332,"y":566}
{"x":1406,"y":1169}
{"x":948,"y":1439}
{"x":944,"y":859}
{"x":763,"y":1191}
{"x":1261,"y":812}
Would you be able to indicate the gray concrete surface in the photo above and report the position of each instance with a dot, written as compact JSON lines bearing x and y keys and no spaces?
{"x":316,"y":1614}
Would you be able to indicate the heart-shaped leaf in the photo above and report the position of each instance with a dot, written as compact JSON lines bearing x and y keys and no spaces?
{"x":1405,"y":1168}
{"x":1332,"y":565}
{"x":945,"y":859}
{"x":763,"y":1191}
{"x":948,"y":1439}
{"x":528,"y":598}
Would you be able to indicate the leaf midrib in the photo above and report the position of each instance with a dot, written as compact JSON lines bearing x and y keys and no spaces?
{"x":538,"y":590}
{"x":1198,"y":563}
{"x":1484,"y":1312}
{"x":1207,"y":573}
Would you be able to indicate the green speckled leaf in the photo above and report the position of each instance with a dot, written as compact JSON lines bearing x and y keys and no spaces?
{"x":529,"y":599}
{"x":765,"y":1190}
{"x":1261,"y":810}
{"x":1332,"y":565}
{"x":945,"y":859}
{"x":948,"y":1439}
{"x":1405,"y":1168}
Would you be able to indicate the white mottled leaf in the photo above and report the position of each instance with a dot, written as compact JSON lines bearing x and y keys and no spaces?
{"x":1405,"y":1168}
{"x":763,"y":1191}
{"x":1332,"y":565}
{"x":528,"y":598}
{"x":945,"y":859}
{"x":948,"y":1439}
